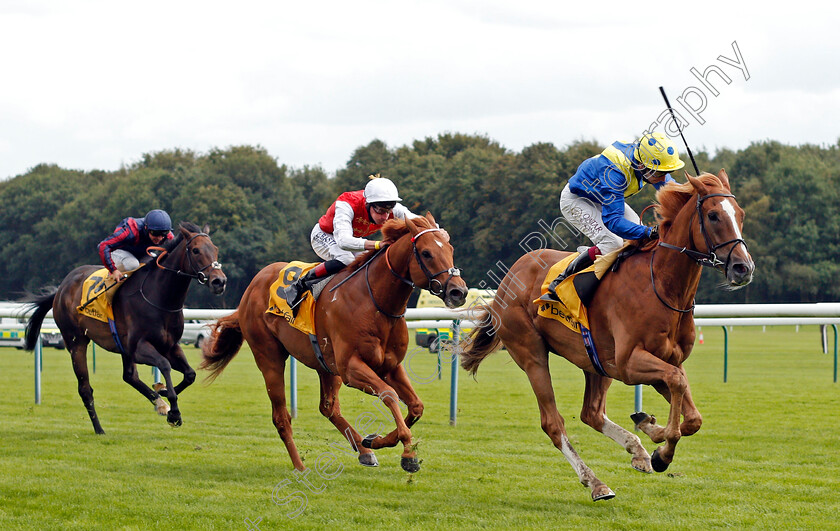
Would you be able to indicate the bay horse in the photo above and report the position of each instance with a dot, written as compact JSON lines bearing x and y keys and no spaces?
{"x":641,"y":322}
{"x":360,"y":328}
{"x":147,"y":314}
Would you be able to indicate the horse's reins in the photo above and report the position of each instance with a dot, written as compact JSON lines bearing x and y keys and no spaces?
{"x":198,"y":274}
{"x":707,"y":259}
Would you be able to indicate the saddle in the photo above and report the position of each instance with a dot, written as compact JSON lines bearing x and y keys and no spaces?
{"x":303,"y":316}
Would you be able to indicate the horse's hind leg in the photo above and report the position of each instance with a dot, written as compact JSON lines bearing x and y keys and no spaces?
{"x":594,"y":414}
{"x":78,"y":354}
{"x":273,"y":370}
{"x":532,"y":357}
{"x":329,"y":407}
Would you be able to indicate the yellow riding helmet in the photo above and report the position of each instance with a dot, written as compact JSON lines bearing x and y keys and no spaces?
{"x":657,"y":152}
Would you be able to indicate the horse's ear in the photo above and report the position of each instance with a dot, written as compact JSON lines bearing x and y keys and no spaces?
{"x":431,"y":218}
{"x":206,"y":229}
{"x":724,"y":179}
{"x":412,"y":228}
{"x":697,"y":184}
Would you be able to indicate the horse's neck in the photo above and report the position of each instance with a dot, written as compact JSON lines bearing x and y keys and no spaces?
{"x":399,"y":256}
{"x":167,"y":288}
{"x":677,"y":275}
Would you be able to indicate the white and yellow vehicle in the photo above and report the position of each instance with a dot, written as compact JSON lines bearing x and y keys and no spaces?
{"x":433,"y":338}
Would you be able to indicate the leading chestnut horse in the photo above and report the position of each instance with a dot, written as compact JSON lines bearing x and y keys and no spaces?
{"x":360,"y":328}
{"x":148,"y":317}
{"x":640,"y":317}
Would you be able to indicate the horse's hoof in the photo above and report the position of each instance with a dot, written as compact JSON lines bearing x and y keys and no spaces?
{"x":410,"y":464}
{"x":368,"y":459}
{"x":161,"y":407}
{"x":174,"y":420}
{"x":639,"y":417}
{"x":642,"y":465}
{"x":602,"y":493}
{"x":657,"y":463}
{"x":367,"y":442}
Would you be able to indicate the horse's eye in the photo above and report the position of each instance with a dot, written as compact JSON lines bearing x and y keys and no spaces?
{"x":713,"y":216}
{"x":195,"y":251}
{"x":426,"y":254}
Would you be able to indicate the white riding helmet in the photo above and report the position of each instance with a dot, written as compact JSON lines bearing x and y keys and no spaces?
{"x":381,"y":190}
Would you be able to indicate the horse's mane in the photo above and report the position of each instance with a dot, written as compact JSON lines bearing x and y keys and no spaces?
{"x":673,"y":196}
{"x":393,"y":230}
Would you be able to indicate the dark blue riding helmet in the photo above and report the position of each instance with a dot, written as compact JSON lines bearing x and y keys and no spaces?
{"x":158,"y":220}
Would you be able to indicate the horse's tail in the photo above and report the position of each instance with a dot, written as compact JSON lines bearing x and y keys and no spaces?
{"x":42,"y":305}
{"x":223,"y":344}
{"x":482,"y":340}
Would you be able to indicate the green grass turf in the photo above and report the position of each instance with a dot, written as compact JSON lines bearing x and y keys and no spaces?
{"x":766,"y":456}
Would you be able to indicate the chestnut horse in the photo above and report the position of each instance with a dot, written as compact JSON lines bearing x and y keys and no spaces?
{"x":641,"y":322}
{"x":360,"y":328}
{"x":147,"y":315}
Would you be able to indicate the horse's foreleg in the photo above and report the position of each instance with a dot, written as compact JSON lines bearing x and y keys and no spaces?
{"x":179,"y":363}
{"x":329,"y":407}
{"x":146,"y":354}
{"x":78,"y":354}
{"x":594,"y":414}
{"x":644,"y":367}
{"x":361,"y":376}
{"x":692,"y":420}
{"x":399,"y":380}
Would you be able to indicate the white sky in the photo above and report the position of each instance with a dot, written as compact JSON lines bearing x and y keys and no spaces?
{"x":95,"y":84}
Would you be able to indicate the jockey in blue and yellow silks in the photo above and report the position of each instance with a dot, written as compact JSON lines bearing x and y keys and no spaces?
{"x":593,"y":199}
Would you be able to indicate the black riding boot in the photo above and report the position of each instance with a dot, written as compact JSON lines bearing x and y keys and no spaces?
{"x":294,"y":292}
{"x":578,"y":264}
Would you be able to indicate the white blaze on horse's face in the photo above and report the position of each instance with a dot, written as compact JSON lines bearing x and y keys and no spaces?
{"x":439,"y":243}
{"x":729,"y":209}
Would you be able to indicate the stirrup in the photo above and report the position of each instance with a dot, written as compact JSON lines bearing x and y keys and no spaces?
{"x":551,"y":294}
{"x":294,"y":295}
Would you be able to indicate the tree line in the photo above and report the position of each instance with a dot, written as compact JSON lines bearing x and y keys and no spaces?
{"x":494,"y":202}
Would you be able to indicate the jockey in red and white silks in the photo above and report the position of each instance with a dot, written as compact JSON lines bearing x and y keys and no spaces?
{"x":340,"y":233}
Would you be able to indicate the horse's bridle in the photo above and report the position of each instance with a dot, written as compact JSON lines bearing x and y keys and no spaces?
{"x":434,"y":285}
{"x":453,"y":272}
{"x":198,"y":273}
{"x":707,"y":259}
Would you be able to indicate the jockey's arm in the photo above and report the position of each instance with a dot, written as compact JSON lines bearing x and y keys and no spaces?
{"x":401,"y":212}
{"x":613,"y":215}
{"x":112,"y":242}
{"x":343,"y":228}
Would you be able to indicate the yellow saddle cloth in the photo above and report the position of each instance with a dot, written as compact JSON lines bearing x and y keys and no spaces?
{"x":570,"y":311}
{"x":304,"y":320}
{"x":95,"y":303}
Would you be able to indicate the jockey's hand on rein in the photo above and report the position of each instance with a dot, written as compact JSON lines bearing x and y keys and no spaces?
{"x":654,"y":233}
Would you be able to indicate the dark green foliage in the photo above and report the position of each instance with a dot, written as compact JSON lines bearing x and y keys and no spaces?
{"x":495,"y":203}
